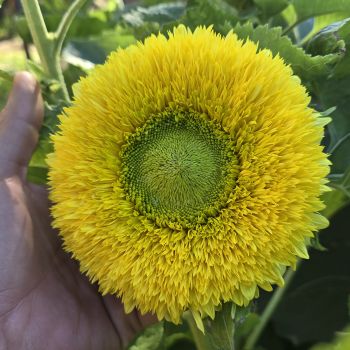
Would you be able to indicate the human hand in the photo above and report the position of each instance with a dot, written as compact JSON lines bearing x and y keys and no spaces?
{"x":45,"y":303}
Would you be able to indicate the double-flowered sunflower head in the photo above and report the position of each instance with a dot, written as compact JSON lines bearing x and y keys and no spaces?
{"x":188,"y":172}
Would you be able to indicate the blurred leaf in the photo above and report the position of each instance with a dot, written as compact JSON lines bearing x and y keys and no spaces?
{"x":210,"y":12}
{"x":335,"y":201}
{"x":176,"y":334}
{"x":336,"y":92}
{"x":305,"y":9}
{"x":316,"y":244}
{"x":37,"y":171}
{"x":6,"y":75}
{"x":304,"y":65}
{"x":343,"y":184}
{"x":161,"y":13}
{"x":95,"y":49}
{"x":82,"y":26}
{"x":270,"y":8}
{"x":314,"y":306}
{"x":150,"y":339}
{"x":324,"y":300}
{"x":342,"y":69}
{"x":37,"y":175}
{"x":144,"y":21}
{"x":341,"y":342}
{"x":243,"y":329}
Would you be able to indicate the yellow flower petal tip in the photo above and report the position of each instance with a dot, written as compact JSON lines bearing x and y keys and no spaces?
{"x":188,"y":173}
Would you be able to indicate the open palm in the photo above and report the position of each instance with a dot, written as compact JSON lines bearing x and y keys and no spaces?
{"x":45,"y":303}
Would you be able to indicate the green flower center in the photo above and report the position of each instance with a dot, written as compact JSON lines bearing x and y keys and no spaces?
{"x":179,"y":168}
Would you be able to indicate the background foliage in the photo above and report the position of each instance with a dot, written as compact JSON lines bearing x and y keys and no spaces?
{"x":314,"y":38}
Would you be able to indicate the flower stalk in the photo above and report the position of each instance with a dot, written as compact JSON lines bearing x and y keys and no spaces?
{"x":269,"y":310}
{"x":49,"y":45}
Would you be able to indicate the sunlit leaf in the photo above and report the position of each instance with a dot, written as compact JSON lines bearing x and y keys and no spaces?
{"x":306,"y":9}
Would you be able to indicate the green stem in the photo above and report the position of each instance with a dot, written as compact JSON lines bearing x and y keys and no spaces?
{"x":65,"y":24}
{"x":40,"y":35}
{"x":49,"y":45}
{"x":269,"y":310}
{"x":199,"y":338}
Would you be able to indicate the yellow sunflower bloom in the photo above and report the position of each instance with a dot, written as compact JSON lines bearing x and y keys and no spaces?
{"x":188,"y":172}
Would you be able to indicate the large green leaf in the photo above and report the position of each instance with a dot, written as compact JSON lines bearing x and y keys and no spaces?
{"x":324,"y":300}
{"x":270,"y":8}
{"x":147,"y":20}
{"x":304,"y":65}
{"x":306,"y":9}
{"x":315,"y":305}
{"x":161,"y":13}
{"x":210,"y":12}
{"x":95,"y":49}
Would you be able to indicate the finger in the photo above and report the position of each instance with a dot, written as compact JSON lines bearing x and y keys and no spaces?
{"x":20,"y":122}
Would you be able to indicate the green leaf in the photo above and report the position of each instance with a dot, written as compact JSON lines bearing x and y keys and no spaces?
{"x":336,"y":92}
{"x":244,"y":328}
{"x":161,"y":14}
{"x":332,"y":21}
{"x":316,"y":244}
{"x":342,"y":69}
{"x":324,"y":299}
{"x":176,"y":335}
{"x":150,"y":339}
{"x":306,"y":9}
{"x":343,"y":184}
{"x":304,"y":65}
{"x":210,"y":12}
{"x":314,"y":306}
{"x":96,"y":49}
{"x":270,"y":8}
{"x":37,"y":175}
{"x":6,"y":75}
{"x":220,"y":330}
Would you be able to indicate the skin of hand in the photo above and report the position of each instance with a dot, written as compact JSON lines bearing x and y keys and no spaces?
{"x":45,"y":303}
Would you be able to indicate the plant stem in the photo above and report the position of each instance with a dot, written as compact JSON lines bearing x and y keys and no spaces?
{"x":268,"y":311}
{"x":199,"y":338}
{"x":40,"y":35}
{"x":65,"y":24}
{"x":49,"y":45}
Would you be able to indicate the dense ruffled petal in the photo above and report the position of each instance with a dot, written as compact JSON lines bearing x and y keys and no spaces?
{"x":269,"y":214}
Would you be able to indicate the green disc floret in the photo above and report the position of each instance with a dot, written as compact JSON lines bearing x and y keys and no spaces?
{"x":179,"y":167}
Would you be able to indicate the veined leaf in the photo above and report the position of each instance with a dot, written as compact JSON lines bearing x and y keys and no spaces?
{"x":306,"y":66}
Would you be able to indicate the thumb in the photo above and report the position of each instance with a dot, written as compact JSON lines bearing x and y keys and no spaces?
{"x":20,"y":122}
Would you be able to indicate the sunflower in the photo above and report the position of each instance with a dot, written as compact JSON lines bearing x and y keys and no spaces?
{"x":187,"y":173}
